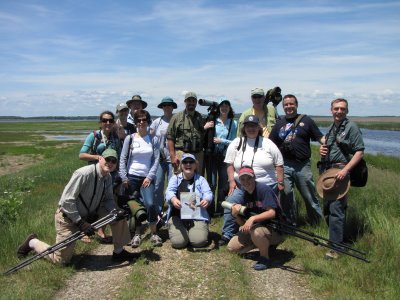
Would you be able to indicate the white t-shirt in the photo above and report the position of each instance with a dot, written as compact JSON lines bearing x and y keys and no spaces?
{"x":141,"y":153}
{"x":266,"y":158}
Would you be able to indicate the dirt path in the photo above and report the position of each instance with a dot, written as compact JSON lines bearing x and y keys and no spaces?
{"x":165,"y":267}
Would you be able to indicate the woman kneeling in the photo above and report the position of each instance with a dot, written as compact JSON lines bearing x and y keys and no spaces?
{"x":188,"y":195}
{"x":261,"y":202}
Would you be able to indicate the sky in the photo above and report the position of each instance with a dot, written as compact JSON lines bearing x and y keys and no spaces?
{"x":81,"y":57}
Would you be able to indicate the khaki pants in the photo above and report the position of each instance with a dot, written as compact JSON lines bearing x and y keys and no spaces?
{"x":65,"y":227}
{"x":181,"y":235}
{"x":259,"y":237}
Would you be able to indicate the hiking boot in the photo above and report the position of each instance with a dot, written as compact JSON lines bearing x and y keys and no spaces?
{"x":24,"y":249}
{"x":155,"y":240}
{"x":223,"y":241}
{"x":261,"y":264}
{"x":123,"y":256}
{"x":331,"y":255}
{"x":137,"y":239}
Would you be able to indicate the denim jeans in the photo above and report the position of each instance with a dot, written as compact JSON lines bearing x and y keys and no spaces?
{"x":335,"y":217}
{"x":146,"y":196}
{"x":164,"y":170}
{"x":299,"y":174}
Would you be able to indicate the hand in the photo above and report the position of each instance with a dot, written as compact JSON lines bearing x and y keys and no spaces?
{"x":125,"y":184}
{"x":176,"y":203}
{"x":247,"y":226}
{"x":217,"y":140}
{"x":85,"y":227}
{"x":323,"y":150}
{"x":232,"y":187}
{"x":175,"y":161}
{"x":236,"y":209}
{"x":146,"y":182}
{"x":209,"y":124}
{"x":204,"y":203}
{"x":342,"y":174}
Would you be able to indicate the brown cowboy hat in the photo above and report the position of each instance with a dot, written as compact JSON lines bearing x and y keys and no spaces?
{"x":329,"y":188}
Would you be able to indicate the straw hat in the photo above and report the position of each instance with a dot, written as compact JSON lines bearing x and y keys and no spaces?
{"x":329,"y":188}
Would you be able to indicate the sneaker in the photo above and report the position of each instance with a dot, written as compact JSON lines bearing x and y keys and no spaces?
{"x":261,"y":264}
{"x":155,"y":240}
{"x":123,"y":256}
{"x":223,"y":241}
{"x":137,"y":239}
{"x":24,"y":249}
{"x":331,"y":255}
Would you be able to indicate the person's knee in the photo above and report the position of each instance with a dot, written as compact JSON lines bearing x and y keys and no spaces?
{"x":179,"y":242}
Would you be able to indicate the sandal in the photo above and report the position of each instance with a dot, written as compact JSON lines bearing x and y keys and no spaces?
{"x":105,"y":240}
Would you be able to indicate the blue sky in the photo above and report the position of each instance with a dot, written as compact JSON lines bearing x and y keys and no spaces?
{"x":81,"y":57}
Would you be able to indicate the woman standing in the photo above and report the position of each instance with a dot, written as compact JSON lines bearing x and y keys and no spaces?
{"x":257,"y":152}
{"x":159,"y":129}
{"x":138,"y":166}
{"x":183,"y":229}
{"x":225,"y":132}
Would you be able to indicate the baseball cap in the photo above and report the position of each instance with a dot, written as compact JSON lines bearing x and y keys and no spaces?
{"x":257,"y":91}
{"x":224,"y":100}
{"x":246,"y":171}
{"x":110,"y":153}
{"x":190,"y":95}
{"x":188,"y":155}
{"x":121,"y":106}
{"x":251,"y":119}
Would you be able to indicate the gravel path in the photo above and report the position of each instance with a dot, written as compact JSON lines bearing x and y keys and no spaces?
{"x":99,"y":277}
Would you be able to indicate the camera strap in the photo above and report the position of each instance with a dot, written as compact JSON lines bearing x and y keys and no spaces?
{"x":254,"y":149}
{"x":94,"y":191}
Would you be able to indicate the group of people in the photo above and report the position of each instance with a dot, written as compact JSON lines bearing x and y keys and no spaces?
{"x":255,"y":163}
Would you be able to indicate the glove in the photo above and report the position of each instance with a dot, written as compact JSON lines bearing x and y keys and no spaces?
{"x":119,"y":213}
{"x":85,"y":227}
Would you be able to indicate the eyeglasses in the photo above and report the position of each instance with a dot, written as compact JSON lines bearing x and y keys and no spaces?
{"x":141,"y":120}
{"x":111,"y":160}
{"x":188,"y":162}
{"x":107,"y":121}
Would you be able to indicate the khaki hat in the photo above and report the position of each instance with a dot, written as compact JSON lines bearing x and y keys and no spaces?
{"x":329,"y":188}
{"x":257,"y":91}
{"x":190,"y":95}
{"x":137,"y":98}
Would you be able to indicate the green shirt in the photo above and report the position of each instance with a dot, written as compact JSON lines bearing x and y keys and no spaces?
{"x":185,"y":128}
{"x":344,"y":141}
{"x":267,"y":123}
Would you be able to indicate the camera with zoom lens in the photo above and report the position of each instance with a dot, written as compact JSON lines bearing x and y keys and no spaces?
{"x":287,"y":148}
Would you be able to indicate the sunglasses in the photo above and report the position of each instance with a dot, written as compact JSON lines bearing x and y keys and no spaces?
{"x":111,"y":160}
{"x":256,"y":96}
{"x":141,"y":120}
{"x":190,"y":161}
{"x":111,"y":121}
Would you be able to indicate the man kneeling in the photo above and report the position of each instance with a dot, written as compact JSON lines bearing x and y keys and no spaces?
{"x":261,"y":201}
{"x":87,"y":195}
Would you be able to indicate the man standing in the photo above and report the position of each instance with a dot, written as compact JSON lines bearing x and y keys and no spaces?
{"x":87,"y":197}
{"x":185,"y":132}
{"x":344,"y":149}
{"x":134,"y":104}
{"x":265,"y":113}
{"x":292,"y":134}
